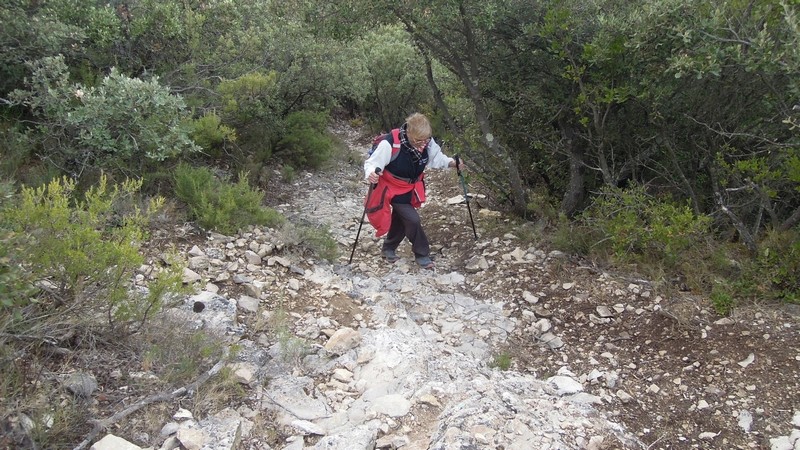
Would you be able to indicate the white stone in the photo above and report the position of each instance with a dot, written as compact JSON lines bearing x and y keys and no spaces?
{"x":183,"y":414}
{"x":190,"y":276}
{"x":247,"y":304}
{"x":307,"y":428}
{"x":191,"y":438}
{"x":745,"y":420}
{"x":747,"y":361}
{"x":565,"y":385}
{"x":623,"y":396}
{"x":392,"y":405}
{"x":342,"y":341}
{"x":111,"y":442}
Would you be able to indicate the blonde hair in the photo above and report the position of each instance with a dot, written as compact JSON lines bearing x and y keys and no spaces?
{"x":418,"y":127}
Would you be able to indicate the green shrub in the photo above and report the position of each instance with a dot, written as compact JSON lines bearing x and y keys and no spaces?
{"x":123,"y":124}
{"x":572,"y":237}
{"x":775,"y":273}
{"x":635,"y":226}
{"x":16,"y":150}
{"x":305,"y":142}
{"x":82,"y":251}
{"x":722,"y":300}
{"x":16,"y":287}
{"x":220,"y":205}
{"x":210,"y":134}
{"x":310,"y":238}
{"x":320,"y":242}
{"x":288,"y":174}
{"x":501,"y":361}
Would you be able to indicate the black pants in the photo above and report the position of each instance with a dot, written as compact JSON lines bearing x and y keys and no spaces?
{"x":406,"y":224}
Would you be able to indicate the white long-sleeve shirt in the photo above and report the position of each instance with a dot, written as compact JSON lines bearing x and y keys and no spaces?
{"x":382,"y":156}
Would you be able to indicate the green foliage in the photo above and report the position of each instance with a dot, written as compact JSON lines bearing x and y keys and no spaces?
{"x":321,"y":242}
{"x":182,"y":356}
{"x":391,"y":89}
{"x":722,"y":300}
{"x":776,"y":270}
{"x":82,"y":251}
{"x":501,"y":361}
{"x":573,"y":237}
{"x":305,"y":141}
{"x":313,"y":238}
{"x":288,"y":174}
{"x":32,"y":33}
{"x":292,"y":348}
{"x":123,"y":124}
{"x":219,"y":205}
{"x":636,"y":226}
{"x":210,"y":134}
{"x":16,"y":288}
{"x":250,"y":97}
{"x":16,"y":151}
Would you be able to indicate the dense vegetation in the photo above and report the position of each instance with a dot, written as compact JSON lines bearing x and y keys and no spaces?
{"x":663,"y":133}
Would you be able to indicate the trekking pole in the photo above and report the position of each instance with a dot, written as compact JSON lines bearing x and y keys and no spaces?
{"x":366,"y":202}
{"x":466,"y":196}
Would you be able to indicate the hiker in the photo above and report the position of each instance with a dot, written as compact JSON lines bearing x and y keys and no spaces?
{"x":399,"y":187}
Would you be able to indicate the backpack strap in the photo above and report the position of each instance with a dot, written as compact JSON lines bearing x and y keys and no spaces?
{"x":395,"y":143}
{"x":395,"y":135}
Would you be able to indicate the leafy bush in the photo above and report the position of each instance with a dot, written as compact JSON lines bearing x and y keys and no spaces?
{"x":16,"y":151}
{"x":16,"y":288}
{"x":311,"y":238}
{"x":209,"y":133}
{"x":775,"y":272}
{"x":83,"y":253}
{"x":635,"y":226}
{"x":501,"y":361}
{"x":124,"y":124}
{"x":288,"y":174}
{"x":320,"y":241}
{"x":306,"y":142}
{"x":250,"y":103}
{"x":722,"y":300}
{"x":219,"y":205}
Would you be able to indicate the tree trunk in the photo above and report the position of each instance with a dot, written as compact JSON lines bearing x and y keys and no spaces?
{"x":744,"y":234}
{"x":576,"y":191}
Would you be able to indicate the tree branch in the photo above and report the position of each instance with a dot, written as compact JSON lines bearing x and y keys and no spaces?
{"x":100,"y":425}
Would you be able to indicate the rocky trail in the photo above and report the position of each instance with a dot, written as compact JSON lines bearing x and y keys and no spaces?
{"x":505,"y":345}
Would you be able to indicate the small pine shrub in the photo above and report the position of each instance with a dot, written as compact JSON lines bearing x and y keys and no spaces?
{"x":572,"y":237}
{"x":82,"y":250}
{"x":501,"y":361}
{"x":210,"y":134}
{"x":320,"y":242}
{"x":306,"y":142}
{"x":775,"y":272}
{"x":311,"y":238}
{"x":722,"y":300}
{"x":288,"y":174}
{"x":219,"y":205}
{"x":16,"y":149}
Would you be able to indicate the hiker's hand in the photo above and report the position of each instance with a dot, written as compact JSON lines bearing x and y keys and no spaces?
{"x":373,"y":178}
{"x":460,"y":164}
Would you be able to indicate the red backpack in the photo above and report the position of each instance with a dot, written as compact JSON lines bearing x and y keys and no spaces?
{"x":393,"y":138}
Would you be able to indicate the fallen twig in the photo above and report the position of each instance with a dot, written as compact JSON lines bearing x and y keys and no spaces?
{"x":100,"y":425}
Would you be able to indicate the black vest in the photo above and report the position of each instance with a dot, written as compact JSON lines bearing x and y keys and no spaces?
{"x":408,"y":165}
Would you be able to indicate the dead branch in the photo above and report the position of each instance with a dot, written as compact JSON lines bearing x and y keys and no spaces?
{"x":100,"y":425}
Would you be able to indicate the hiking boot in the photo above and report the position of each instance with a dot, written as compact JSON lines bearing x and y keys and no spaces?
{"x":390,"y":255}
{"x":425,"y":262}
